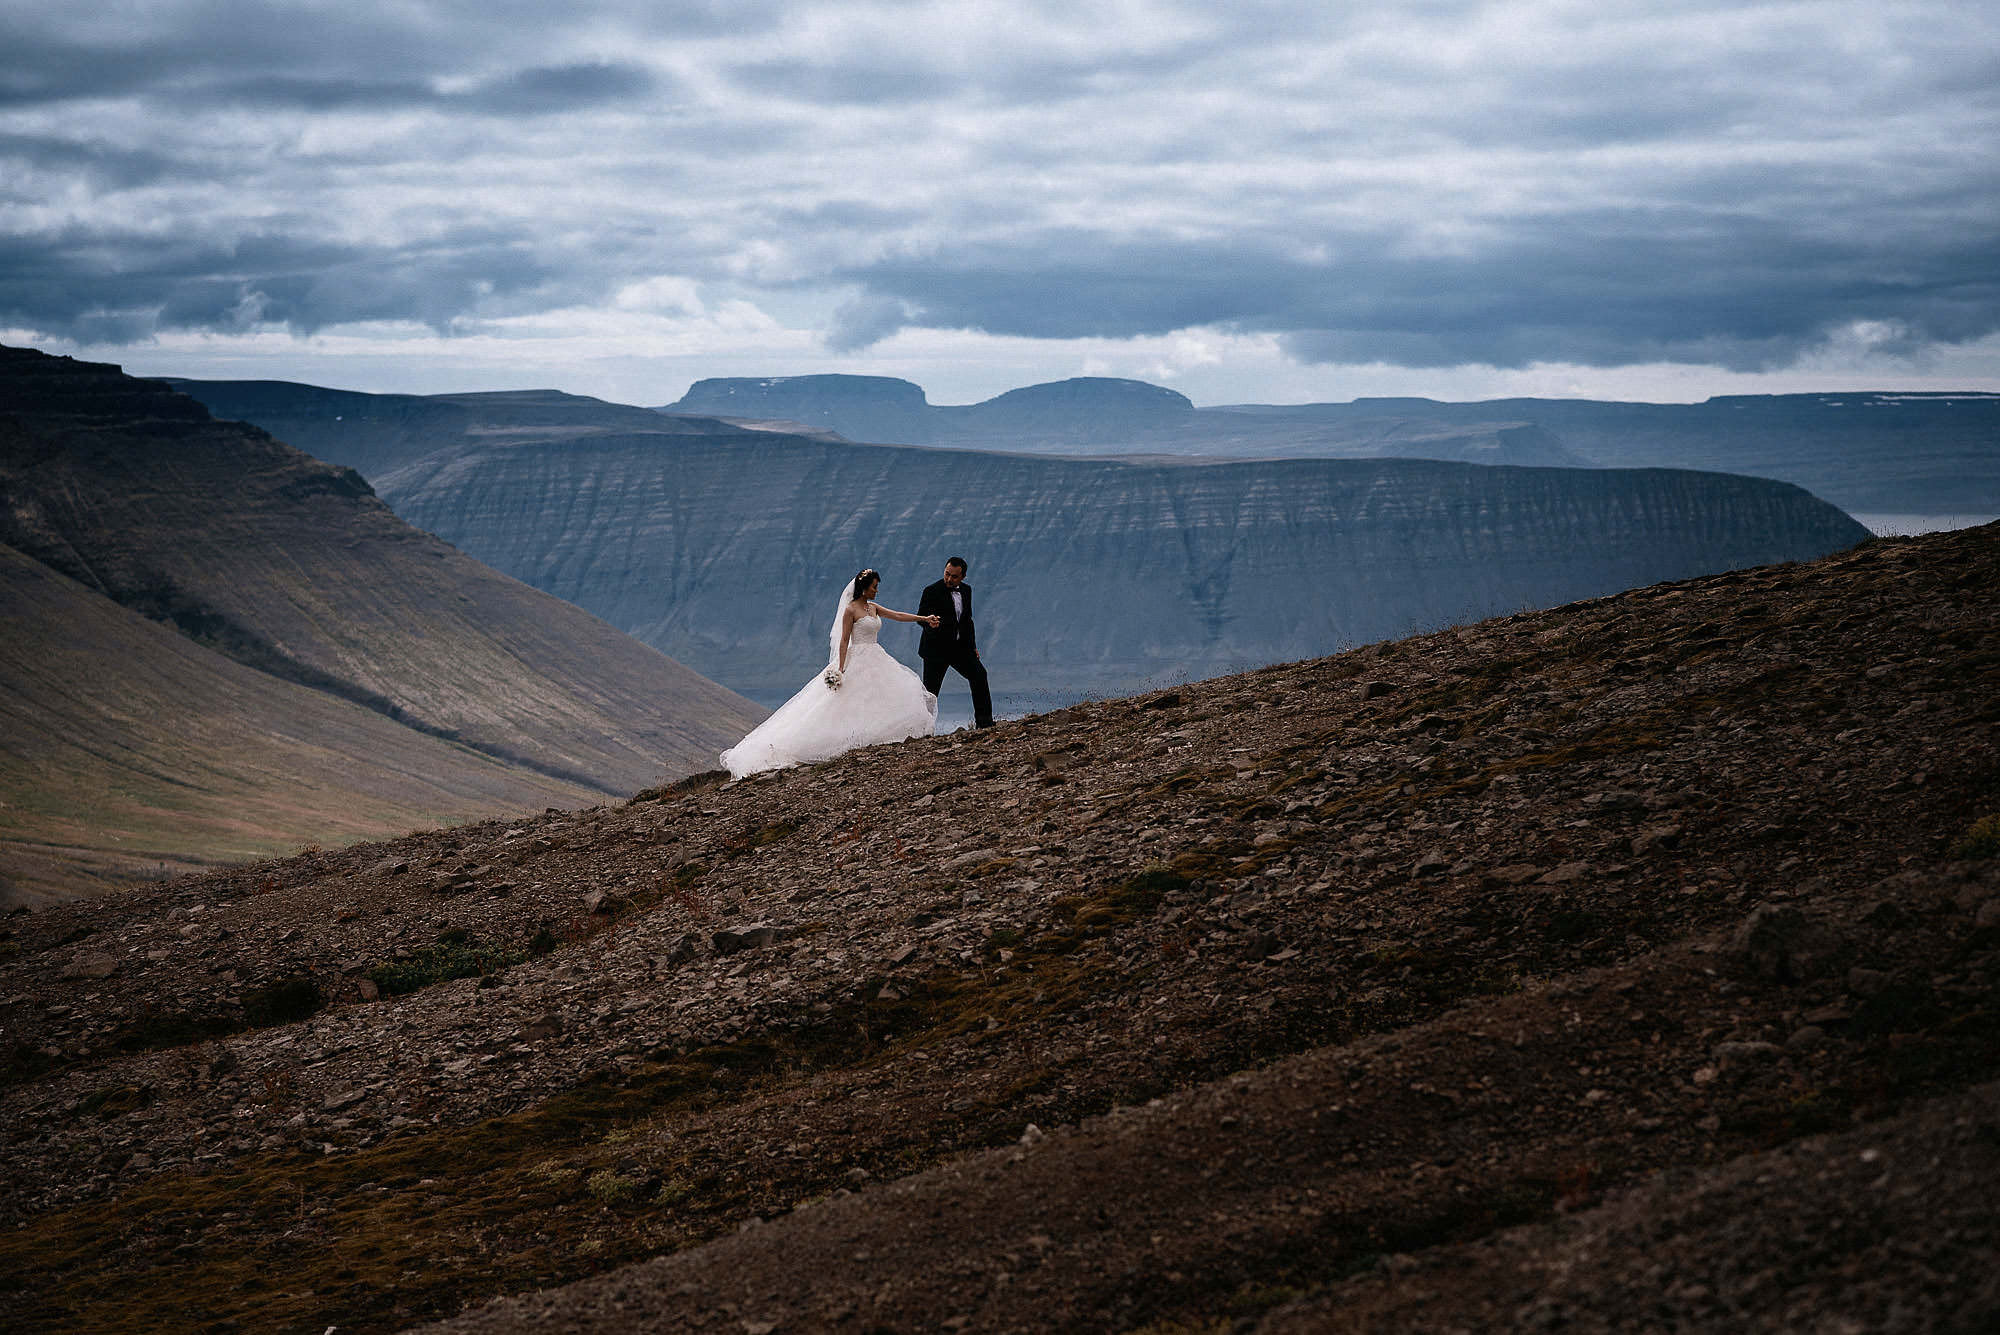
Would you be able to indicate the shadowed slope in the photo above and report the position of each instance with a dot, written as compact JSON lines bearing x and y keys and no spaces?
{"x":127,"y":751}
{"x":293,"y":567}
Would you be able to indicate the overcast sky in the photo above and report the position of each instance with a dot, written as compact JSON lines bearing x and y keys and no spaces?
{"x":1249,"y":202}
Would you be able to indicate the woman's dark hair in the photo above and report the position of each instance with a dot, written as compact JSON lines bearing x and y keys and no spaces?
{"x":861,"y":581}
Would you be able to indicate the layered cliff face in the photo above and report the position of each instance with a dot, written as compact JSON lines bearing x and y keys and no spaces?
{"x":727,"y":552}
{"x":293,"y":568}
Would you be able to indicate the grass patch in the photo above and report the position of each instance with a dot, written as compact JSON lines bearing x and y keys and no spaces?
{"x":693,"y":783}
{"x":1085,"y":918}
{"x":152,"y":1030}
{"x":114,"y":1101}
{"x":761,"y":837}
{"x":284,"y":1002}
{"x":1980,"y":840}
{"x":380,"y":1239}
{"x":459,"y":957}
{"x":608,"y":1187}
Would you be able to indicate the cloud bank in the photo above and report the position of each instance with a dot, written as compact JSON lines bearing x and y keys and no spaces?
{"x":1428,"y":184}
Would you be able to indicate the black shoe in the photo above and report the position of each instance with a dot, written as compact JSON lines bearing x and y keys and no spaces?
{"x":987,"y":724}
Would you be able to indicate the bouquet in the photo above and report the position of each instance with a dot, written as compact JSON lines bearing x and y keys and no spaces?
{"x":832,"y":678}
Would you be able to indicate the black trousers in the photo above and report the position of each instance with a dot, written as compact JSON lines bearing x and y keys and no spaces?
{"x":968,"y":666}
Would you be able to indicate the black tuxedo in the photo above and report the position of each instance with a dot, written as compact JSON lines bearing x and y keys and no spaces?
{"x":953,"y":645}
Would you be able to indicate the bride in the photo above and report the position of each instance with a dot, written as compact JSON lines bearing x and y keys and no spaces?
{"x":863,"y":697}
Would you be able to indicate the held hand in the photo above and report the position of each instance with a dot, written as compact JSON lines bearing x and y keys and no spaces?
{"x":933,"y":621}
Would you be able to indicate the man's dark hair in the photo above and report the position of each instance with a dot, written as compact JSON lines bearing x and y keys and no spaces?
{"x":958,"y":561}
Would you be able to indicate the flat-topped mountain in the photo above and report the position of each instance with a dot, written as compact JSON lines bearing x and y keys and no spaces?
{"x":1634,"y":964}
{"x":292,"y":567}
{"x":726,"y":551}
{"x":860,"y":407}
{"x":1087,"y":405}
{"x":1100,"y":415}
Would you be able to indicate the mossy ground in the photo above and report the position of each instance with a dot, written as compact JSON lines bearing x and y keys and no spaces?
{"x":416,"y":1227}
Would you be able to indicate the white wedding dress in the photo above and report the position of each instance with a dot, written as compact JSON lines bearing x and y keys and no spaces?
{"x":878,"y":700}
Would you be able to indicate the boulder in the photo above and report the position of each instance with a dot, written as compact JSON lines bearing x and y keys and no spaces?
{"x":1779,"y":943}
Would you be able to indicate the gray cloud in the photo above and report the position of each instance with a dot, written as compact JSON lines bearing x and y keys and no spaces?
{"x":1429,"y":184}
{"x":319,"y":94}
{"x":865,"y":321}
{"x":869,"y":83}
{"x":548,"y":90}
{"x":301,"y":283}
{"x":35,"y":72}
{"x":535,"y":91}
{"x":102,"y":166}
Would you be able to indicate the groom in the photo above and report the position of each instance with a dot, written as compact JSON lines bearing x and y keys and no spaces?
{"x":951,"y":643}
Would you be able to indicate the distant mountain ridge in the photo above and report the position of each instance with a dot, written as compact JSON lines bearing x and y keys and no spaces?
{"x":1870,"y":453}
{"x":1935,"y":453}
{"x":1098,"y":415}
{"x":717,"y":542}
{"x":292,"y":567}
{"x":378,"y":433}
{"x":1927,"y":453}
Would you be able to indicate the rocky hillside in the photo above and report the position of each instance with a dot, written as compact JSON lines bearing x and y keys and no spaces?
{"x":727,"y":551}
{"x":292,"y":567}
{"x":1626,"y":965}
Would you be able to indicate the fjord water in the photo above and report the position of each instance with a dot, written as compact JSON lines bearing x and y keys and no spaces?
{"x":1908,"y":526}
